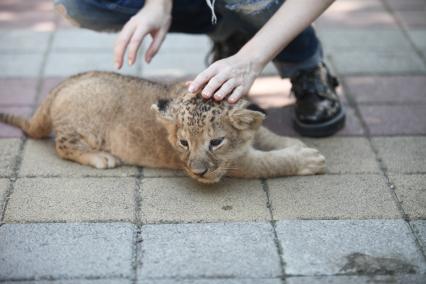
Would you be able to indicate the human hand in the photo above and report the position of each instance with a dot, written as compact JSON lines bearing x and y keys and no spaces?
{"x":231,"y":77}
{"x":154,"y":19}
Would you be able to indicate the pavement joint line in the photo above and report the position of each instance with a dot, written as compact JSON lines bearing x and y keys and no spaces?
{"x":277,"y":244}
{"x":52,"y":278}
{"x":137,"y":238}
{"x":382,"y":166}
{"x":404,"y":31}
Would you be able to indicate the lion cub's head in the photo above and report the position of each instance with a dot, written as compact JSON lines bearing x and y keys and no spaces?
{"x":208,"y":135}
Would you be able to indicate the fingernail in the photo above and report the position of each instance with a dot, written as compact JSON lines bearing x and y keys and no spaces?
{"x":191,"y":89}
{"x":130,"y":62}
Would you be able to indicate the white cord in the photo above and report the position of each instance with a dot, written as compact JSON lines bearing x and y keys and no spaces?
{"x":210,"y":3}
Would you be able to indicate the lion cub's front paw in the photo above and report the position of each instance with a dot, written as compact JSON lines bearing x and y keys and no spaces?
{"x":103,"y":160}
{"x":311,"y":162}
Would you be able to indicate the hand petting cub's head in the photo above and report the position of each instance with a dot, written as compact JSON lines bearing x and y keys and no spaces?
{"x":208,"y":135}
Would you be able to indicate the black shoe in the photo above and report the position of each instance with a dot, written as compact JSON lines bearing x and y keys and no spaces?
{"x":318,"y":111}
{"x":227,"y":47}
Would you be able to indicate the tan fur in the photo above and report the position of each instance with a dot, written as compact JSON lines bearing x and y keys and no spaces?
{"x":104,"y":119}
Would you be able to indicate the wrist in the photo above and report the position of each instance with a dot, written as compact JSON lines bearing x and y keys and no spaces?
{"x":256,"y":58}
{"x":165,"y":5}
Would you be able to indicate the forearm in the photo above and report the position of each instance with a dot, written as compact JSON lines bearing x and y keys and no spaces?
{"x":164,"y":4}
{"x":290,"y":20}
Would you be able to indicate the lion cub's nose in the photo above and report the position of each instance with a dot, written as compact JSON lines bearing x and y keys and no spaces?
{"x":198,"y":168}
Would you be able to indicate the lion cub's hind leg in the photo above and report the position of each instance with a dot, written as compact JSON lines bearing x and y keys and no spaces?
{"x":74,"y":148}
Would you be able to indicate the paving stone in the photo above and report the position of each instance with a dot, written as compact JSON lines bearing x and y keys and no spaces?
{"x":186,"y":200}
{"x":8,"y":131}
{"x":23,"y":41}
{"x":69,"y":63}
{"x":210,"y":281}
{"x":17,"y":91}
{"x":418,"y":37}
{"x":209,"y":250}
{"x":412,"y":19}
{"x":20,"y":65}
{"x":48,"y":84}
{"x":346,"y":155}
{"x":78,"y":281}
{"x":280,"y":121}
{"x":72,"y":200}
{"x":387,"y":89}
{"x":80,"y":39}
{"x":348,"y":247}
{"x":389,"y":279}
{"x":151,"y":172}
{"x":4,"y":186}
{"x":40,"y":159}
{"x":395,"y":119}
{"x":175,"y":64}
{"x":185,"y":42}
{"x":411,"y":191}
{"x":402,"y":154}
{"x":407,"y":5}
{"x":330,"y":197}
{"x":420,"y":230}
{"x":354,"y":62}
{"x":9,"y":150}
{"x":364,"y":40}
{"x":65,"y":250}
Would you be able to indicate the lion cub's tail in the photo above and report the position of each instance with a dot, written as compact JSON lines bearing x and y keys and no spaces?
{"x":39,"y":126}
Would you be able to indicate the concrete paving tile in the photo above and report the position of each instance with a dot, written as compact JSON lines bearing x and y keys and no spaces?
{"x":210,"y":281}
{"x":4,"y":186}
{"x":185,"y":200}
{"x":411,"y":191}
{"x":346,"y":155}
{"x":40,"y":159}
{"x":72,"y":200}
{"x":151,"y":172}
{"x":348,"y":18}
{"x":23,"y":40}
{"x":209,"y":250}
{"x":7,"y":131}
{"x":280,"y":121}
{"x":353,"y":62}
{"x":185,"y":42}
{"x":387,"y":89}
{"x":9,"y":151}
{"x":78,"y":281}
{"x":412,"y":19}
{"x":20,"y":65}
{"x":402,"y":154}
{"x":69,"y":63}
{"x":407,"y":5}
{"x":81,"y":39}
{"x":347,"y":247}
{"x":17,"y":91}
{"x":418,"y":37}
{"x":364,"y":40}
{"x":65,"y":250}
{"x":47,"y":85}
{"x":420,"y":230}
{"x":371,"y":279}
{"x":395,"y":119}
{"x":175,"y":64}
{"x":330,"y":197}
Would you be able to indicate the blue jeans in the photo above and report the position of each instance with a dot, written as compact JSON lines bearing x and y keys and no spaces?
{"x":190,"y":16}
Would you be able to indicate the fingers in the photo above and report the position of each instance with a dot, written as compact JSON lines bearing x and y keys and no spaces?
{"x":225,"y":90}
{"x":135,"y":43}
{"x":202,"y":79}
{"x":214,"y":83}
{"x":122,"y":42}
{"x":155,"y":45}
{"x":236,"y":95}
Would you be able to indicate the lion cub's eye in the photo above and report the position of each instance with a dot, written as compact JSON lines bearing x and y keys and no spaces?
{"x":216,"y":142}
{"x":183,"y":142}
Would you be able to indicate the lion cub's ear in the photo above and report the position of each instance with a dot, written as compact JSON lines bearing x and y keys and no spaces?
{"x":246,"y":118}
{"x":162,"y":113}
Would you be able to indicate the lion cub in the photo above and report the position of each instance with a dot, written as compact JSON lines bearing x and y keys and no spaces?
{"x":104,"y":119}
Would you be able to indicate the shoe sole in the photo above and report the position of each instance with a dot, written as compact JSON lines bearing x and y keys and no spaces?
{"x":323,"y":129}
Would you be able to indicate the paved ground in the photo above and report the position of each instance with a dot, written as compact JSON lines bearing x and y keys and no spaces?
{"x":362,"y":222}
